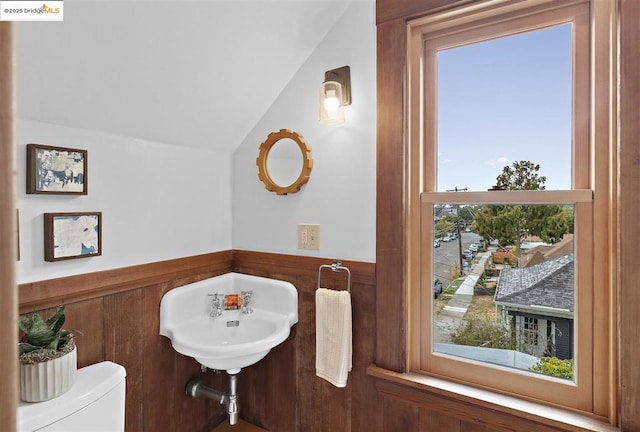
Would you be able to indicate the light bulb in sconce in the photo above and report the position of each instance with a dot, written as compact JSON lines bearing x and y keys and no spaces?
{"x":331,"y":111}
{"x":335,"y":93}
{"x":331,"y":102}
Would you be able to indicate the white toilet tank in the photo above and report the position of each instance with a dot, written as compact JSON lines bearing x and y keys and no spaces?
{"x":94,"y":403}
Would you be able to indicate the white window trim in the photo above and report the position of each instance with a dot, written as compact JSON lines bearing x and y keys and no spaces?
{"x":595,"y":392}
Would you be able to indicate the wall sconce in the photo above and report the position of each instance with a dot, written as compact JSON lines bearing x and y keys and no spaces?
{"x":335,"y":93}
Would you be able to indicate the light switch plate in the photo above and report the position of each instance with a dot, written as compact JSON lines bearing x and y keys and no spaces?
{"x":309,"y":236}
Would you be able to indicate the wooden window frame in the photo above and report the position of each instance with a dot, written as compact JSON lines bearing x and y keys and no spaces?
{"x":594,"y":142}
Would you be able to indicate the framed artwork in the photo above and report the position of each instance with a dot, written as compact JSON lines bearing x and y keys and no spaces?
{"x":72,"y":235}
{"x":56,"y":170}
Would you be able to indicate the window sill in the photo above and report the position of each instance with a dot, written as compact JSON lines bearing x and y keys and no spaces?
{"x":482,"y":405}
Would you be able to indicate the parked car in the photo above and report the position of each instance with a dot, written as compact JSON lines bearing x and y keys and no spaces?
{"x":447,"y":238}
{"x":473,"y":247}
{"x":437,"y":287}
{"x":436,"y":243}
{"x":466,"y":254}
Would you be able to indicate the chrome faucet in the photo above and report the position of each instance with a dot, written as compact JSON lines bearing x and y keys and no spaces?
{"x":216,"y":305}
{"x":245,"y":301}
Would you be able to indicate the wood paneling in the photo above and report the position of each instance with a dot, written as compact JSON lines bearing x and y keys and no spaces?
{"x":387,"y":10}
{"x":281,"y":392}
{"x":290,"y":265}
{"x":432,"y":412}
{"x":240,"y":427}
{"x":88,"y":317}
{"x":53,"y":292}
{"x":117,"y":312}
{"x":469,"y":404}
{"x":400,"y":416}
{"x":8,"y":358}
{"x":123,"y":344}
{"x":390,"y":244}
{"x":438,"y":422}
{"x":629,"y":215}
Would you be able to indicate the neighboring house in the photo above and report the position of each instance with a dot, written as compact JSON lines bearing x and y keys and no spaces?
{"x":540,"y":299}
{"x":543,"y":253}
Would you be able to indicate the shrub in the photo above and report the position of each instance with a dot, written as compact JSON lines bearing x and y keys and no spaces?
{"x":553,"y":366}
{"x":484,"y":332}
{"x":490,"y":272}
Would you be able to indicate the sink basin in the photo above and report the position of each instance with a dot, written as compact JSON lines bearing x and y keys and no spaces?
{"x":234,"y":339}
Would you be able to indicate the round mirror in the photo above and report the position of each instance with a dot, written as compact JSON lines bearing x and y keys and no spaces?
{"x":284,"y":162}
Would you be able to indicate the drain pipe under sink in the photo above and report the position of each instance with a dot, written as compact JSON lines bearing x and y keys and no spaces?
{"x":195,"y":388}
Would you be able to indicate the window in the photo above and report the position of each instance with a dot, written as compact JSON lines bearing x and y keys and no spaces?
{"x":530,"y":332}
{"x":502,"y":145}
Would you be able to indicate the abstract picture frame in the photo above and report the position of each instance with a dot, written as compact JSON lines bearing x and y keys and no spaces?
{"x":56,"y":170}
{"x":72,"y":235}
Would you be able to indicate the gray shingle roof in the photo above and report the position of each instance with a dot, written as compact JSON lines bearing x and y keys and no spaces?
{"x":549,"y":284}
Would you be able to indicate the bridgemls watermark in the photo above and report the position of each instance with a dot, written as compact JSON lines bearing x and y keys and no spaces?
{"x":31,"y":10}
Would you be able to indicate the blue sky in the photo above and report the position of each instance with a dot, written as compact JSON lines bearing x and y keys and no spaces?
{"x":503,"y":101}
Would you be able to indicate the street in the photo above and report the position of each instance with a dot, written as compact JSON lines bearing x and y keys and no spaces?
{"x":448,"y":255}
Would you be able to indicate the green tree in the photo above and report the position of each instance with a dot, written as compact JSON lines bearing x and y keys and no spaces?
{"x":443,"y":226}
{"x":509,"y":224}
{"x":521,"y":175}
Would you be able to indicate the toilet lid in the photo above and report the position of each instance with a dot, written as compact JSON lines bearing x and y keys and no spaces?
{"x":92,"y":382}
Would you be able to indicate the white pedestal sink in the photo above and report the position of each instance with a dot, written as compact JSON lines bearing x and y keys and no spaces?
{"x":234,"y":339}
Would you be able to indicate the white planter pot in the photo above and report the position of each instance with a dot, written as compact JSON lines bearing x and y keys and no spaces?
{"x":47,"y":380}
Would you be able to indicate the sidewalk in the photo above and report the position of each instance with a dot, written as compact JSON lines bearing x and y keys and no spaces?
{"x":452,"y":314}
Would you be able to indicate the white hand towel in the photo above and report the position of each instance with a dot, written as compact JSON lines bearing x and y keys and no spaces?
{"x":333,"y":335}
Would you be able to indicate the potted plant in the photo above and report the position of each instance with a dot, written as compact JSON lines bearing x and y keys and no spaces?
{"x":47,"y":357}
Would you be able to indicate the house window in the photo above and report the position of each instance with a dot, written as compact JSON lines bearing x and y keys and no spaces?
{"x":501,"y":138}
{"x":530,"y":332}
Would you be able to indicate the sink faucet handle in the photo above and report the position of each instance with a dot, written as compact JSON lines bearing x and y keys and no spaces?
{"x":215,"y":307}
{"x":245,"y":301}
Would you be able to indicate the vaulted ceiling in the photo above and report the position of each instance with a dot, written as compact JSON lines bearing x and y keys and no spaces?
{"x":194,"y":73}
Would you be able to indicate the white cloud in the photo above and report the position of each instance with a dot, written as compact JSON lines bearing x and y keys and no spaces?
{"x":500,"y":161}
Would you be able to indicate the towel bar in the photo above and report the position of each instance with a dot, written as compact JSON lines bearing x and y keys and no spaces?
{"x":335,"y":267}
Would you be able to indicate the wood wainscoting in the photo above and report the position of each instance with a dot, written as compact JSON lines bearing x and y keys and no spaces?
{"x":117,"y":312}
{"x":282,"y":393}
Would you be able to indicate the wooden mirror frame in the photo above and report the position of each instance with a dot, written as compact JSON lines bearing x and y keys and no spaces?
{"x":305,"y":171}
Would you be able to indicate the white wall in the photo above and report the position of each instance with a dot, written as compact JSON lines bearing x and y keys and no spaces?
{"x":340,"y":195}
{"x":157,"y":201}
{"x":162,"y":202}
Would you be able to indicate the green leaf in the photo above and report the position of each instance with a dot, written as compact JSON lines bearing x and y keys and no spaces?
{"x":25,"y":323}
{"x":53,"y":345}
{"x":57,"y":320}
{"x":24,"y":348}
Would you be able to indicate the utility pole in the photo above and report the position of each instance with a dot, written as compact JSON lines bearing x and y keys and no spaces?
{"x":456,"y":189}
